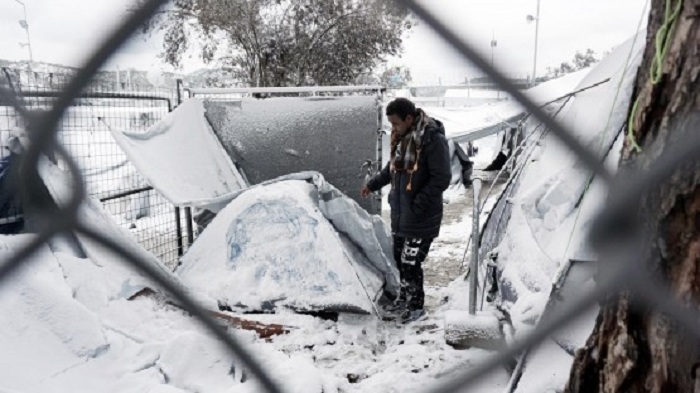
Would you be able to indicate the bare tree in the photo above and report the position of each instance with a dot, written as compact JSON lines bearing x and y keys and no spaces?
{"x":641,"y":349}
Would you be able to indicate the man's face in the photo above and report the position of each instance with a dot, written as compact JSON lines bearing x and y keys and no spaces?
{"x":399,"y":126}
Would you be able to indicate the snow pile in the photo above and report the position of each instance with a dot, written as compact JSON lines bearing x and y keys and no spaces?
{"x":92,"y":215}
{"x":295,"y":242}
{"x":182,"y":159}
{"x":482,"y":329}
{"x":68,"y":328}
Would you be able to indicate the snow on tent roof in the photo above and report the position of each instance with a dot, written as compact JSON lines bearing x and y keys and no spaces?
{"x":276,"y":136}
{"x":295,"y":242}
{"x":548,"y":214}
{"x":464,"y":124}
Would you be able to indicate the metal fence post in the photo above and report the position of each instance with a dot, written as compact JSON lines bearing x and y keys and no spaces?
{"x":377,"y":197}
{"x":178,"y":231}
{"x":188,"y":210}
{"x":474,"y":269}
{"x":190,"y":230}
{"x":178,"y":214}
{"x":178,"y":92}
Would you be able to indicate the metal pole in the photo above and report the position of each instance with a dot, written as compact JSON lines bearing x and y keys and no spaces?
{"x":188,"y":210}
{"x":474,"y":269}
{"x":377,"y":197}
{"x":190,"y":229}
{"x":178,"y":230}
{"x":537,"y":29}
{"x":178,"y":84}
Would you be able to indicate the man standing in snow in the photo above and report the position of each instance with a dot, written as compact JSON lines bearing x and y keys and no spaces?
{"x":419,"y":172}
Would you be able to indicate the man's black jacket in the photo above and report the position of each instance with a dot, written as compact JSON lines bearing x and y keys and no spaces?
{"x":418,"y":212}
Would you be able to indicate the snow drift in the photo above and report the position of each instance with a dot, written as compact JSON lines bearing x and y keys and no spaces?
{"x":78,"y":320}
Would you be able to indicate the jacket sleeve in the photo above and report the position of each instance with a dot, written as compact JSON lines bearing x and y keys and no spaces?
{"x":439,"y":174}
{"x":381,"y":179}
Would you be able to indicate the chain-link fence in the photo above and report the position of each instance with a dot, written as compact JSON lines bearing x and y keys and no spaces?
{"x":85,"y":130}
{"x":614,"y":230}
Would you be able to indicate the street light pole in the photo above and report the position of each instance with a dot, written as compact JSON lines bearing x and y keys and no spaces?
{"x":25,"y":26}
{"x":536,"y":18}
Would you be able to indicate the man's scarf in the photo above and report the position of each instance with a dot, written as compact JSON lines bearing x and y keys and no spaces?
{"x":406,"y":150}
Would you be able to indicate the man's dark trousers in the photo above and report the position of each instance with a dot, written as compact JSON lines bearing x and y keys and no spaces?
{"x":409,"y":254}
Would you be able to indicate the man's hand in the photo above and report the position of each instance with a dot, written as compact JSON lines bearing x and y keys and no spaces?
{"x":364,"y":192}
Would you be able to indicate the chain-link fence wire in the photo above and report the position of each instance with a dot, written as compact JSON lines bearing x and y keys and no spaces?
{"x":613,"y":230}
{"x":105,"y":106}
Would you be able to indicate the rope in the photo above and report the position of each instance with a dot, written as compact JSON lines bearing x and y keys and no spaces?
{"x":661,"y":41}
{"x":662,"y":38}
{"x":630,"y":128}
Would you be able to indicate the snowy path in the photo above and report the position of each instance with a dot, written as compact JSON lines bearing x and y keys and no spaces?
{"x":364,"y":354}
{"x":445,"y":259}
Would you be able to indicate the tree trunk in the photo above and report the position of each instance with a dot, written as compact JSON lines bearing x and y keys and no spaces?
{"x":643,"y":350}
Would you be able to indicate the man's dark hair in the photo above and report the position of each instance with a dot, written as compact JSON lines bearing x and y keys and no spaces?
{"x":401,"y":107}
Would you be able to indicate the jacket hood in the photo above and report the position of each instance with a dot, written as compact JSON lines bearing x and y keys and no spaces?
{"x":434,"y":127}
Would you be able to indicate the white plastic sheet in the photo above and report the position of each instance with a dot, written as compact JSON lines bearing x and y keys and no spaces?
{"x":181,"y":158}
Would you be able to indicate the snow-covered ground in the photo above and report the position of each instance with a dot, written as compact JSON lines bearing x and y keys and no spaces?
{"x":79,"y":325}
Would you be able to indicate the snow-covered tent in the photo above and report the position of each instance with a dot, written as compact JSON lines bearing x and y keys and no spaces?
{"x":293,"y":242}
{"x":273,"y":137}
{"x":540,"y":223}
{"x":471,"y":123}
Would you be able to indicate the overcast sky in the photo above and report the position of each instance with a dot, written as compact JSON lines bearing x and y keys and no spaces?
{"x":62,"y":31}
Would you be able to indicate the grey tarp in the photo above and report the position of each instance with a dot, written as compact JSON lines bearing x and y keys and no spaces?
{"x":276,"y":136}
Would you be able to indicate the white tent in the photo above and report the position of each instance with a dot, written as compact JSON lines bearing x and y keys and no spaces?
{"x":293,"y":242}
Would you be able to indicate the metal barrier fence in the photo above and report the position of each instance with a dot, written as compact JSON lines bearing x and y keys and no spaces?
{"x":85,"y":130}
{"x":613,"y":231}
